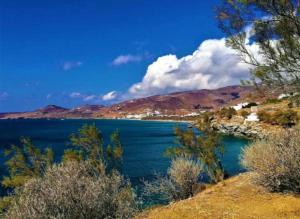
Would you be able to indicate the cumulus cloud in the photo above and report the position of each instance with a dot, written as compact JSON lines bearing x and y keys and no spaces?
{"x":109,"y":96}
{"x":212,"y":65}
{"x":124,"y":59}
{"x":66,"y":66}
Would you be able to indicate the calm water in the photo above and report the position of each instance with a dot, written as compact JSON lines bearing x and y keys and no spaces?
{"x":144,"y":142}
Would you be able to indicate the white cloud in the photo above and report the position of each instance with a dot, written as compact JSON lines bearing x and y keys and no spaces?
{"x":212,"y":65}
{"x":66,"y":66}
{"x":124,"y":59}
{"x":89,"y":97}
{"x":109,"y":96}
{"x":84,"y":97}
{"x":76,"y":95}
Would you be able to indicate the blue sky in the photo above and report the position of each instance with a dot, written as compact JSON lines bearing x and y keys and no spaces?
{"x":78,"y":52}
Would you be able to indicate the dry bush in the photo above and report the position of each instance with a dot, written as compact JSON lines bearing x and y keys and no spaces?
{"x":74,"y":190}
{"x":227,"y":113}
{"x":244,"y":113}
{"x":276,"y":161}
{"x":285,"y":118}
{"x":181,"y":182}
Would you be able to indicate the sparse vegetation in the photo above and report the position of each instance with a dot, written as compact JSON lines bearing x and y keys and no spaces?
{"x":181,"y":182}
{"x":227,"y":112}
{"x":81,"y":186}
{"x":249,"y":105}
{"x":25,"y":161}
{"x":244,"y":113}
{"x":74,"y":190}
{"x":272,"y":101}
{"x":275,"y":161}
{"x":205,"y":147}
{"x":285,"y":118}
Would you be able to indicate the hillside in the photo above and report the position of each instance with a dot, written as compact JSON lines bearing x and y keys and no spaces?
{"x":53,"y":111}
{"x":180,"y":103}
{"x":237,"y":197}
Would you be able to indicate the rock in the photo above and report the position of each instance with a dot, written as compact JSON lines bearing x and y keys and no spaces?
{"x":251,"y":130}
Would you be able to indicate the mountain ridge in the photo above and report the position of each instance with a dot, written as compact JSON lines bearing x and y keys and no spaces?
{"x":177,"y":103}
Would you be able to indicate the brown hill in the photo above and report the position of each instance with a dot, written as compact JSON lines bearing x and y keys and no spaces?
{"x":179,"y":103}
{"x":53,"y":111}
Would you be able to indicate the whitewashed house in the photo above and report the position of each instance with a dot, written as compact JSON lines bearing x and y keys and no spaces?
{"x":239,"y":106}
{"x":281,"y":96}
{"x":252,"y":118}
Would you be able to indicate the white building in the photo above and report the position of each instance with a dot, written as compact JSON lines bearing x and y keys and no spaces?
{"x":135,"y":116}
{"x":281,"y":96}
{"x":252,"y":118}
{"x":239,"y":106}
{"x":193,"y":114}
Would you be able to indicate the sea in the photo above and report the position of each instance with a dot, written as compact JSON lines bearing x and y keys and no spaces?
{"x":144,"y":142}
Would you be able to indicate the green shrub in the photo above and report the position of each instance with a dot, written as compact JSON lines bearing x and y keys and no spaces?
{"x":74,"y":190}
{"x":249,"y":105}
{"x":272,"y":101}
{"x":180,"y":183}
{"x":207,"y":148}
{"x":264,"y":116}
{"x":227,"y":112}
{"x":285,"y":118}
{"x":275,"y":161}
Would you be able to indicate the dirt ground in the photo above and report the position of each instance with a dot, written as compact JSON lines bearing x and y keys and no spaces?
{"x":236,"y":197}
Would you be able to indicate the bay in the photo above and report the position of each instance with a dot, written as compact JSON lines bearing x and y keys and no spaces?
{"x":144,"y":142}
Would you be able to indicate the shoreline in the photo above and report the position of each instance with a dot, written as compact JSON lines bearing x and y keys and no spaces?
{"x":124,"y":119}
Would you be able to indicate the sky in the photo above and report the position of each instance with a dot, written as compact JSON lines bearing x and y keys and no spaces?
{"x":77,"y":52}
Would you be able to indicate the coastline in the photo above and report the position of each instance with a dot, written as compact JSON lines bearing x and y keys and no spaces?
{"x":97,"y":118}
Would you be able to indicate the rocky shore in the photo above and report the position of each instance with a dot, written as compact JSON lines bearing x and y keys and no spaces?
{"x":238,"y":127}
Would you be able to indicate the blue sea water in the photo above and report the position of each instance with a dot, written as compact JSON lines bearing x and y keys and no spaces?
{"x":144,"y":142}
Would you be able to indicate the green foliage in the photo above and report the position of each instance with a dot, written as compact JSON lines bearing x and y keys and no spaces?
{"x":26,"y":161}
{"x":249,"y":105}
{"x":272,"y":101}
{"x":286,"y":118}
{"x":227,"y":112}
{"x":264,"y":116}
{"x":275,"y":28}
{"x":72,"y":156}
{"x":295,"y":100}
{"x":205,"y":147}
{"x":88,"y":143}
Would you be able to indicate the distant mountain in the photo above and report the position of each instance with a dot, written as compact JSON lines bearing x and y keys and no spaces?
{"x":53,"y":111}
{"x":178,"y":103}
